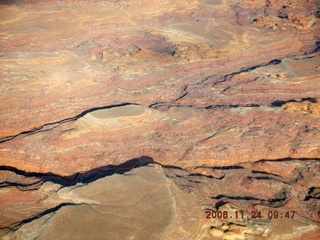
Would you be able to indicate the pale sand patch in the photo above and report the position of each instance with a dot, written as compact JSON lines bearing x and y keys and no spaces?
{"x":290,"y":69}
{"x":136,"y":205}
{"x":120,"y":112}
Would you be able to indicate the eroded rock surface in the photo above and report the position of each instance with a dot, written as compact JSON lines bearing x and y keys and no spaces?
{"x":104,"y":210}
{"x":219,"y":98}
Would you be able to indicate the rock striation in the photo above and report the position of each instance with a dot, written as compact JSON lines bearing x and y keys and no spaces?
{"x":142,"y":119}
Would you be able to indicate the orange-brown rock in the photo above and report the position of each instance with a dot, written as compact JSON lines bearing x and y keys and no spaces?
{"x":305,"y":107}
{"x":219,"y":98}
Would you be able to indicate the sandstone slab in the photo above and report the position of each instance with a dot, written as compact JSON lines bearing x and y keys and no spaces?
{"x":220,"y":97}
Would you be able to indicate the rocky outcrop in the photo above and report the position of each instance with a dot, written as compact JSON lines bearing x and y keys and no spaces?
{"x":141,"y":120}
{"x":305,"y":107}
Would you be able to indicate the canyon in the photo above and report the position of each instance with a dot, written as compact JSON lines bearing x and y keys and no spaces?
{"x":146,"y":119}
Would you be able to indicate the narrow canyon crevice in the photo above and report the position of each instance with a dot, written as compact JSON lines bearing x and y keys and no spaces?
{"x":161,"y":120}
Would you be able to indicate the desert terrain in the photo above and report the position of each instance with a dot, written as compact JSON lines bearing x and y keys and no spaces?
{"x":160,"y":119}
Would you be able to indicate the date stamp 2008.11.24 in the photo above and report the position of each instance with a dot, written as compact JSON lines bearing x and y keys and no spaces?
{"x":272,"y":214}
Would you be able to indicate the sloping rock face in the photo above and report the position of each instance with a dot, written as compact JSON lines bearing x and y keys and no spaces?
{"x":159,"y":119}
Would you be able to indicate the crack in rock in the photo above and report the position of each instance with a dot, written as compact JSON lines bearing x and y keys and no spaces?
{"x":50,"y":126}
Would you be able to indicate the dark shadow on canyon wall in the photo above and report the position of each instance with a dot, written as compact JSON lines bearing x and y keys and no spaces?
{"x":85,"y":177}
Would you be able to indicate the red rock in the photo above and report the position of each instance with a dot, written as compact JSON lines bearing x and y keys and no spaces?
{"x":222,"y":97}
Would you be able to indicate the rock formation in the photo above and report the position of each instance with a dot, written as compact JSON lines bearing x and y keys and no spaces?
{"x":159,"y":119}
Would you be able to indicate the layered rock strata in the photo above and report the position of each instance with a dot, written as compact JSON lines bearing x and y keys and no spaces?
{"x":142,"y":119}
